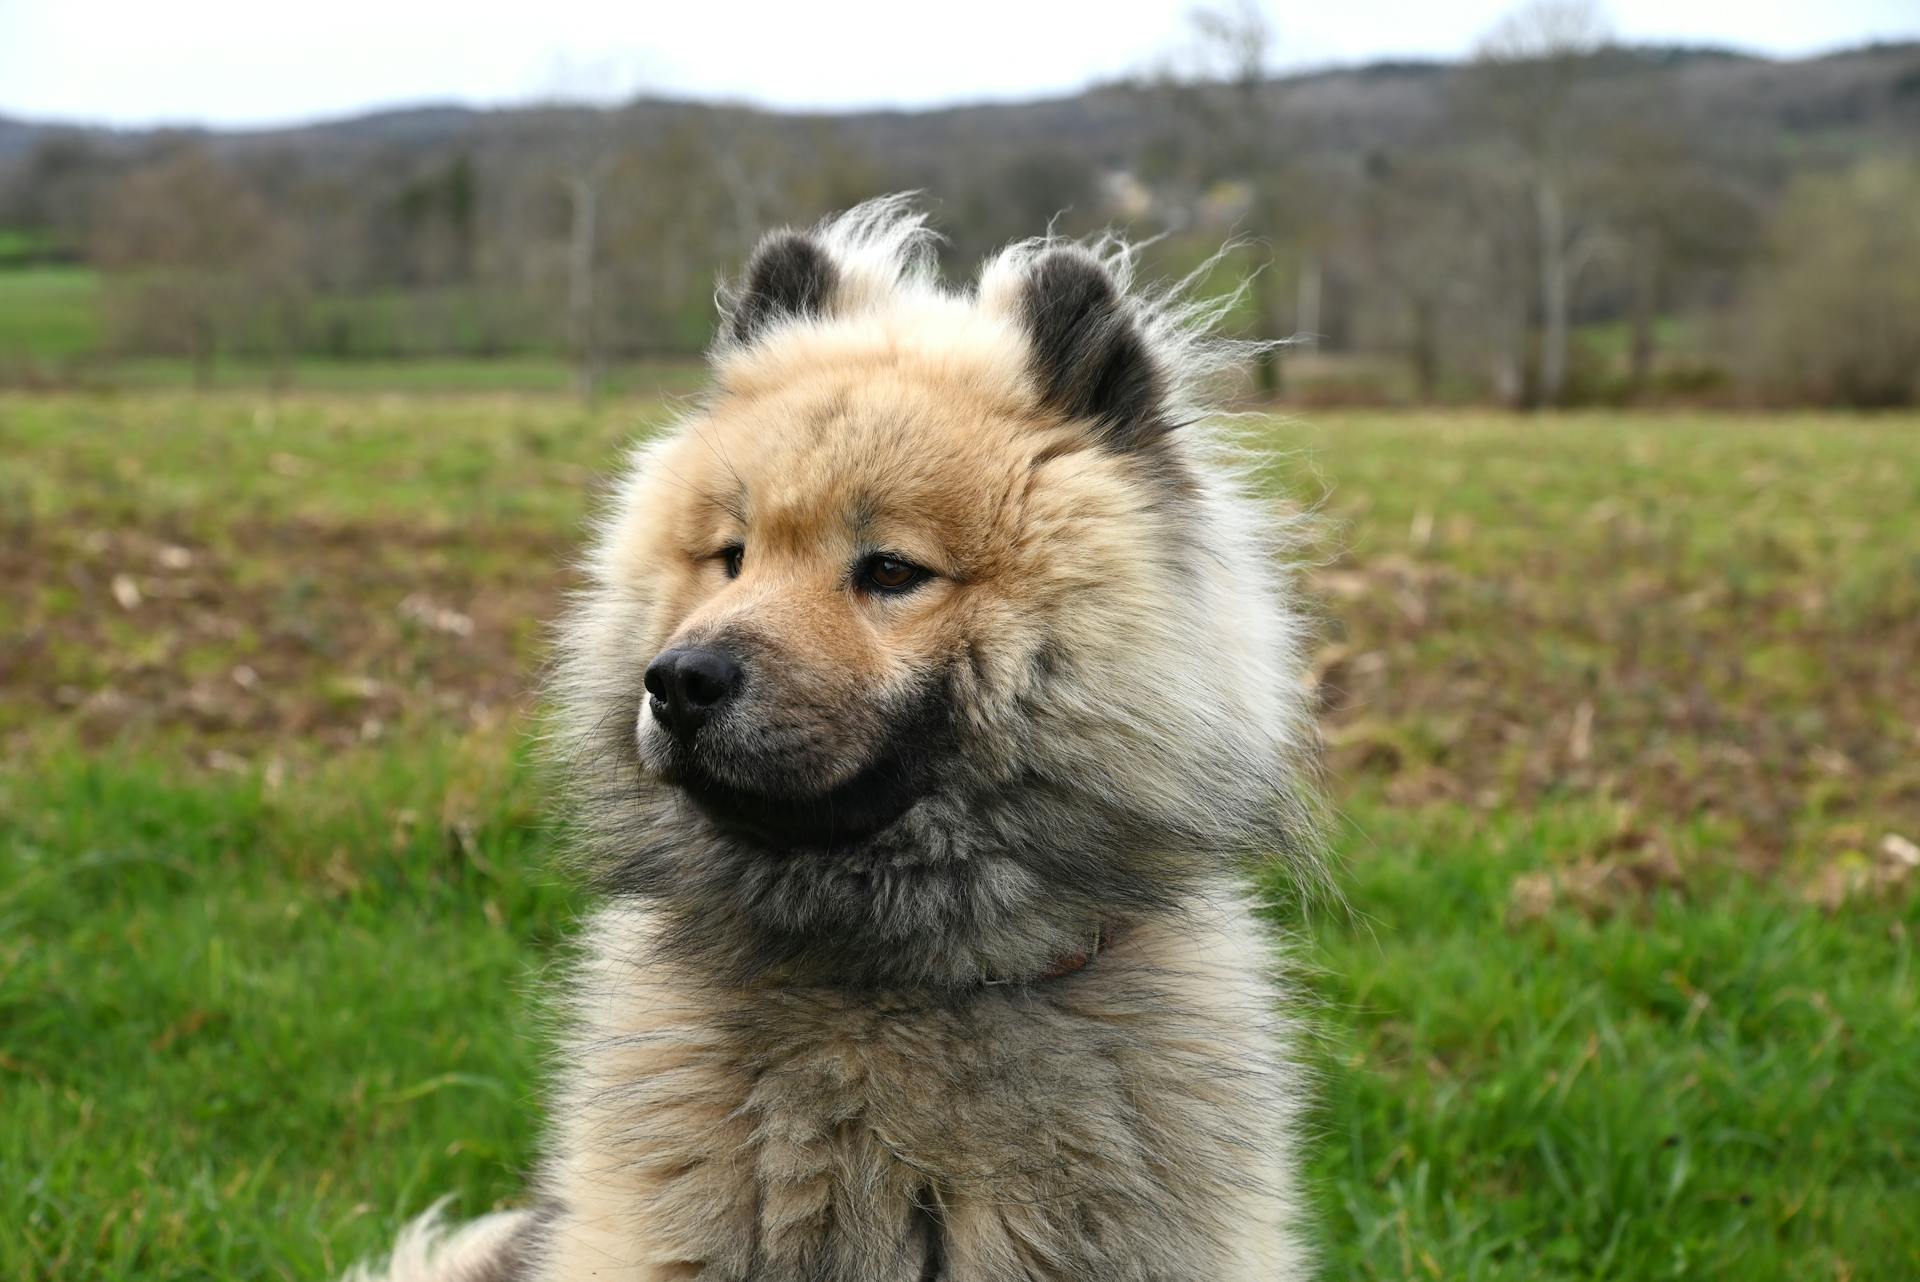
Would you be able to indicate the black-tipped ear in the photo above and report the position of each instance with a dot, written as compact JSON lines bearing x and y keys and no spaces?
{"x":1088,"y":353}
{"x":788,"y":275}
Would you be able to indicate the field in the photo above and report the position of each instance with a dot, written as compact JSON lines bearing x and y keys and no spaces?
{"x":1624,"y":732}
{"x":48,"y":312}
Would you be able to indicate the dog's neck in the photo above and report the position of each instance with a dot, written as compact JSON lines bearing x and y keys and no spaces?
{"x":1099,"y":936}
{"x":1071,"y":963}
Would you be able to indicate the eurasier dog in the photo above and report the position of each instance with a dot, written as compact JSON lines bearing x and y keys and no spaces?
{"x":933,"y":690}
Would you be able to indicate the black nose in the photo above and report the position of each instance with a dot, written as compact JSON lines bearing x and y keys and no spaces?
{"x":690,"y":685}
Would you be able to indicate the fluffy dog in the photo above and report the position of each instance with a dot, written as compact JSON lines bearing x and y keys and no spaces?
{"x":934,"y":686}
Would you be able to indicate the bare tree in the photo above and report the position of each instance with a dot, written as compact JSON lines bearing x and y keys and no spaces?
{"x":684,"y":205}
{"x":1669,"y":216}
{"x":1421,"y":247}
{"x":197,"y":262}
{"x":1525,"y":86}
{"x":1232,"y":63}
{"x":57,"y":184}
{"x":1235,"y":42}
{"x":586,"y":184}
{"x":566,"y":248}
{"x":595,"y":142}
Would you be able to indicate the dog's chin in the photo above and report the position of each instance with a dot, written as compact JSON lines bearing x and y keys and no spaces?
{"x":842,"y":819}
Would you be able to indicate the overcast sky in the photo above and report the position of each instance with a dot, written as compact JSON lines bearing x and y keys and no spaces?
{"x":229,"y":62}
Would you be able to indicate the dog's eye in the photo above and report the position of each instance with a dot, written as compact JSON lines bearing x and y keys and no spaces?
{"x":731,"y":556}
{"x":880,"y":573}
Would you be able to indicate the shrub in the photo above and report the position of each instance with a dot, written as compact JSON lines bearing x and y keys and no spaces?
{"x":1833,"y":312}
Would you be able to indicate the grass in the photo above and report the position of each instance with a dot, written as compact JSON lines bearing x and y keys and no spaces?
{"x":53,"y":331}
{"x":464,"y":375}
{"x":1718,"y":1083}
{"x":209,"y":1043}
{"x":50,"y":313}
{"x":1621,"y":710}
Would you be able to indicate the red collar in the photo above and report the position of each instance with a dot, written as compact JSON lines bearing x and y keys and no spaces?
{"x":1075,"y":962}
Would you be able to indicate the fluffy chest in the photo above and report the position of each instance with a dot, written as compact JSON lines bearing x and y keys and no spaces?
{"x":1102,"y":1126}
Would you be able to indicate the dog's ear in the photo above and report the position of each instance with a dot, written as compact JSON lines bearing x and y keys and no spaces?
{"x":789,"y":275}
{"x":1089,"y":355}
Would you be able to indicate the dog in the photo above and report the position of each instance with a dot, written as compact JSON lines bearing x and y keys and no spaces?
{"x":934,"y":688}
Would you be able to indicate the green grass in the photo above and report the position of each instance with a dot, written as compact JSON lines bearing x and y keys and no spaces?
{"x":224,"y":1008}
{"x":1612,"y":340}
{"x":1618,"y":994}
{"x":53,"y":328}
{"x":458,"y":375}
{"x":1721,"y":1083}
{"x":50,"y":313}
{"x":19,"y":247}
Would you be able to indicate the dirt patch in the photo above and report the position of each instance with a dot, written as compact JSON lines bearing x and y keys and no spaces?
{"x":284,"y":633}
{"x":1710,"y":627}
{"x":1622,"y":878}
{"x":1851,"y":875}
{"x":1591,"y":679}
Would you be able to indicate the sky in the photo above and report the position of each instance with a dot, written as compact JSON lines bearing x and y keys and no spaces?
{"x":245,"y":63}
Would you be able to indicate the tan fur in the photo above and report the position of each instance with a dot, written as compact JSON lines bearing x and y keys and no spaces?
{"x":860,"y":1064}
{"x":675,"y":1136}
{"x":428,"y":1251}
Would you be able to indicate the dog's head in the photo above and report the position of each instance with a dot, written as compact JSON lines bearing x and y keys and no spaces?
{"x":933,"y":639}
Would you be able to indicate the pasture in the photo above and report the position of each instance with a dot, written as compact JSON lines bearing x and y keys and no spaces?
{"x":1623,"y":715}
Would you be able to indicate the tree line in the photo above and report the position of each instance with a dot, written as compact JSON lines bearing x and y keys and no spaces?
{"x":1534,"y":226}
